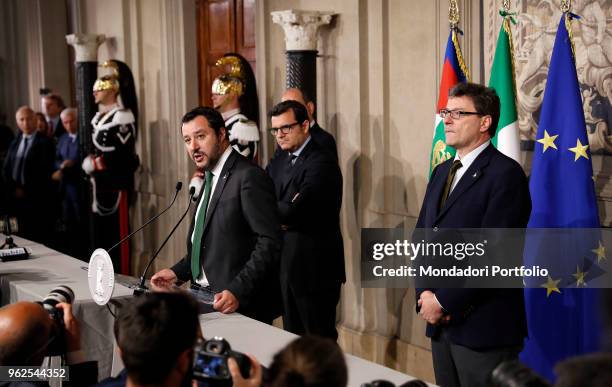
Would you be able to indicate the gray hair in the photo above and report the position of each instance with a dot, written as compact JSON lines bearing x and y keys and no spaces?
{"x":67,"y":111}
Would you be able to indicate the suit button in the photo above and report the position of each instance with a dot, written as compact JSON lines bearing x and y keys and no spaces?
{"x":435,"y":229}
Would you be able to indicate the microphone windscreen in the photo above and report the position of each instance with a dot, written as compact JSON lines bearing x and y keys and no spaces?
{"x":195,"y":186}
{"x":179,"y":185}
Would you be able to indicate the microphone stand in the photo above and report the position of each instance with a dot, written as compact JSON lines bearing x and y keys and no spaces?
{"x":179,"y":185}
{"x":141,"y":288}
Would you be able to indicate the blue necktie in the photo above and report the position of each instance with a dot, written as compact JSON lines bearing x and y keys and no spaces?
{"x":199,"y":228}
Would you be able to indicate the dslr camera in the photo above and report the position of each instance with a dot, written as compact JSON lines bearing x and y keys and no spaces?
{"x":57,"y":341}
{"x":210,"y":362}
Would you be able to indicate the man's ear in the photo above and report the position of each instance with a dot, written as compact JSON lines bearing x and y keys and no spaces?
{"x":183,"y":363}
{"x":223,"y":134}
{"x":306,"y":126}
{"x":485,"y":123}
{"x":310,"y":106}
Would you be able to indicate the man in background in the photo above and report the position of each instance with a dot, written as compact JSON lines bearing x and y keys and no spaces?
{"x":27,"y":174}
{"x":52,"y":108}
{"x":308,"y":185}
{"x":319,"y":135}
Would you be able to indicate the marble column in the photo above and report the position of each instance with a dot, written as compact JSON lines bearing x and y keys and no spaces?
{"x":301,"y":32}
{"x":86,"y":72}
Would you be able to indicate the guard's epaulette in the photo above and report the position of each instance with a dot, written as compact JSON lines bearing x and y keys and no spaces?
{"x":245,"y":130}
{"x":234,"y":118}
{"x":123,"y":117}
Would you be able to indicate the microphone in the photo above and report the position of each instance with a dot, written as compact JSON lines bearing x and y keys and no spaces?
{"x":197,"y":183}
{"x":141,"y":288}
{"x":179,"y":185}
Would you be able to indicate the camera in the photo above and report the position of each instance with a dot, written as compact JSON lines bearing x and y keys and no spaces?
{"x":210,"y":362}
{"x":57,"y":342}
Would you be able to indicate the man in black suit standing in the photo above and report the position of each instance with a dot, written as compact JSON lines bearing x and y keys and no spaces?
{"x":308,"y":187}
{"x":473,"y":330}
{"x":27,"y":174}
{"x":53,"y":105}
{"x":233,"y":243}
{"x":318,"y":134}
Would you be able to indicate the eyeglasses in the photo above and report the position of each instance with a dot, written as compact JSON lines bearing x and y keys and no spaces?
{"x":285,"y":129}
{"x":457,"y":114}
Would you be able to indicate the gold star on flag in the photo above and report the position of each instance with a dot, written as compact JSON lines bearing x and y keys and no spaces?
{"x":548,"y":141}
{"x":551,"y":285}
{"x":580,"y":150}
{"x":579,"y":275}
{"x":600,"y":251}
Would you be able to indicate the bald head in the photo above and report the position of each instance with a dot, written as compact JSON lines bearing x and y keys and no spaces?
{"x":25,"y":118}
{"x":296,"y":94}
{"x":25,"y":328}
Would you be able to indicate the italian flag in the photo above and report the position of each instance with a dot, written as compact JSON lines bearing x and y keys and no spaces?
{"x":502,"y":80}
{"x":454,"y":71}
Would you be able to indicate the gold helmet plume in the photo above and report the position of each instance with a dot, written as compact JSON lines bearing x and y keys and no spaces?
{"x":232,"y":81}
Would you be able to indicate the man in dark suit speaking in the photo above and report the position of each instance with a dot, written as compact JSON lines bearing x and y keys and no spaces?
{"x":233,"y":244}
{"x":473,"y":330}
{"x":308,"y":187}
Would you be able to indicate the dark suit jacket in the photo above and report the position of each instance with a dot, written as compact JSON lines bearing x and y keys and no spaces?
{"x":59,"y":129}
{"x":37,"y":168}
{"x":68,"y":150}
{"x":493,"y":193}
{"x":313,"y":252}
{"x":241,"y":239}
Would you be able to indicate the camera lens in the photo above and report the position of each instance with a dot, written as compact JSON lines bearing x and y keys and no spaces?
{"x":59,"y":294}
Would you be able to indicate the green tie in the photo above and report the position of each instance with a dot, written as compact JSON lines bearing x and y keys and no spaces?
{"x":449,"y":182}
{"x":199,"y":229}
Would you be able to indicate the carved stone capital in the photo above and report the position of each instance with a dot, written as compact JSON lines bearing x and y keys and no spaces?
{"x":301,"y":27}
{"x":85,"y":46}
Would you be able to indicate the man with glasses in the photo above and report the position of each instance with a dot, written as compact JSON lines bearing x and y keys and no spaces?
{"x":308,"y":187}
{"x":473,"y":330}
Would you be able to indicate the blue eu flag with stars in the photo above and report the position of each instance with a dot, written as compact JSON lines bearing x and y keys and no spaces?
{"x":562,"y":322}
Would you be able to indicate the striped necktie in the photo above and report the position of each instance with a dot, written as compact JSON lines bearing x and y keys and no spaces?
{"x":449,"y":182}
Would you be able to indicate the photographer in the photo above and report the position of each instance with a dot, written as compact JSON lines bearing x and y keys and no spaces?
{"x":26,"y":332}
{"x":306,"y":361}
{"x":156,"y":333}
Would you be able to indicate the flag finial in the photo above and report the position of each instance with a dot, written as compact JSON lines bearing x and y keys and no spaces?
{"x":506,"y":5}
{"x":566,"y":6}
{"x":453,"y":13}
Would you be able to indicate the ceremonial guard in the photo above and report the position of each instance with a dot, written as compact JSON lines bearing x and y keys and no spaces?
{"x":113,"y":162}
{"x":234,"y":95}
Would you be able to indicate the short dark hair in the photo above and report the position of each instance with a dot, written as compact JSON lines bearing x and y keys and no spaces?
{"x":299,"y":110}
{"x":485,"y":100}
{"x":214,"y":118}
{"x":593,"y":369}
{"x":152,"y":330}
{"x":57,"y":99}
{"x":307,"y":362}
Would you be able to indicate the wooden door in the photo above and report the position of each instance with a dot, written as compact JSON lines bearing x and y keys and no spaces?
{"x":223,"y":26}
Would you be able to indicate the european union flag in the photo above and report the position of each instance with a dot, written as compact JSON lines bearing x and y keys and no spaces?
{"x":562,"y":322}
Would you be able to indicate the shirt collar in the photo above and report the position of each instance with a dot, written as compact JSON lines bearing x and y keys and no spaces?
{"x":300,"y":149}
{"x":230,"y":113}
{"x":216,"y":171}
{"x":469,"y":158}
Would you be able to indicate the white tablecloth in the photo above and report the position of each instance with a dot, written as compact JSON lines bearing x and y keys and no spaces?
{"x":32,"y":279}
